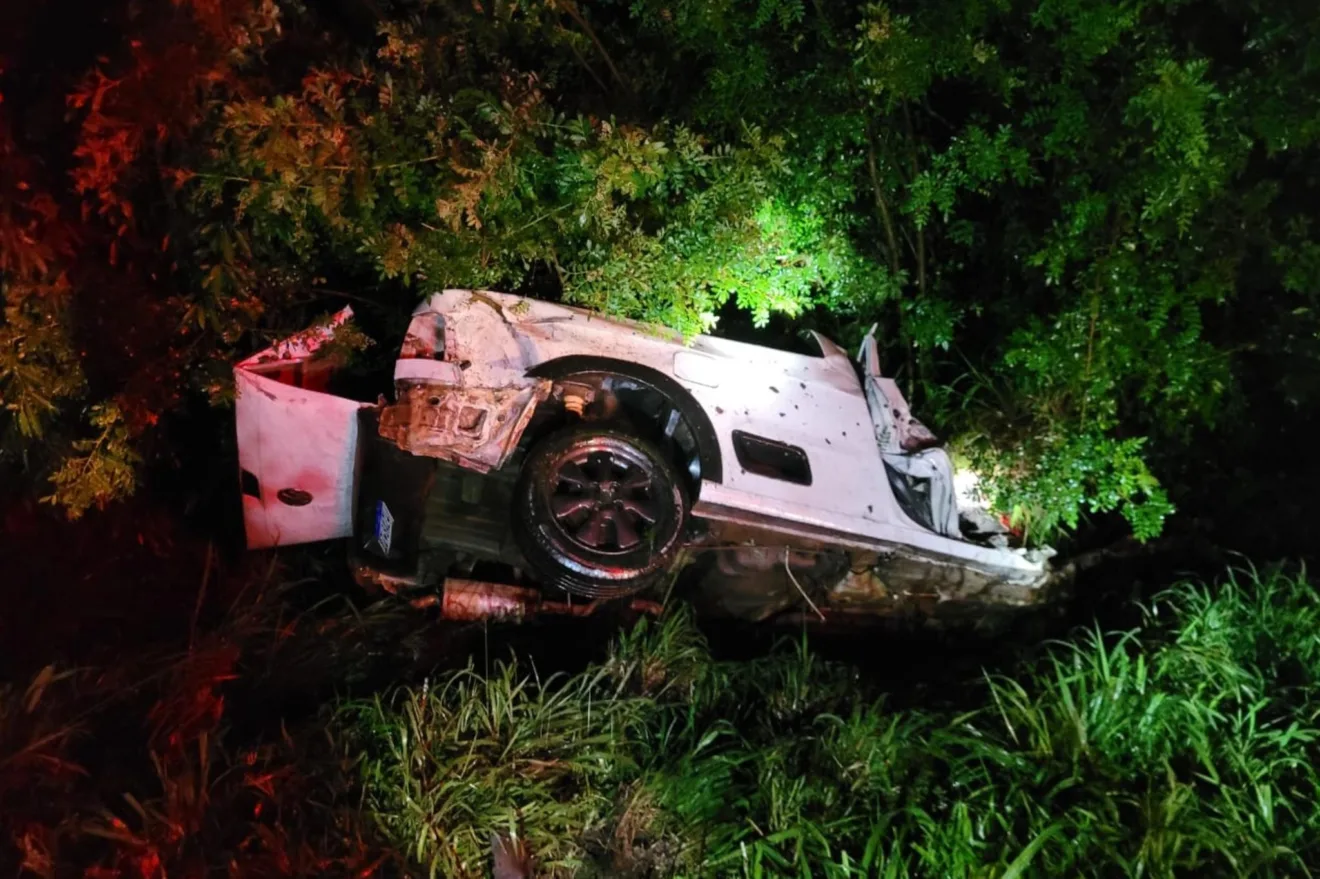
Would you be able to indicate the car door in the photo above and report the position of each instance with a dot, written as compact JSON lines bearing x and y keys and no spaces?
{"x":296,"y":443}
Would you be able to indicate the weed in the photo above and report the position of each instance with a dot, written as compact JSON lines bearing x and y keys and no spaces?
{"x":1185,"y":747}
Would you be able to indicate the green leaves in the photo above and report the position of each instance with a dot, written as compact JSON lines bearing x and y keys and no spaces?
{"x":39,"y":370}
{"x":100,"y":469}
{"x":1054,"y":480}
{"x":975,"y":162}
{"x":1063,"y":195}
{"x":648,"y":222}
{"x":1175,"y":104}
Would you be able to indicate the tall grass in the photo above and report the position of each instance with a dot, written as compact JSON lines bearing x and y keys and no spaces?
{"x":135,"y":771}
{"x":1185,"y":747}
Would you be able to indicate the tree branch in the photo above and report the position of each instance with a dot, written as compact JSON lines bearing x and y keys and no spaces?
{"x":921,"y":246}
{"x":921,"y":233}
{"x":585,"y":66}
{"x":571,"y":8}
{"x":881,"y":205}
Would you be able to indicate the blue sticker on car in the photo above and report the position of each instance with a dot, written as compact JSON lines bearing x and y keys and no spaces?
{"x":384,"y":527}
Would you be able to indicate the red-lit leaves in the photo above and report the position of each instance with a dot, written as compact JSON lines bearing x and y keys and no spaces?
{"x":95,"y":310}
{"x":159,"y":791}
{"x":159,"y":95}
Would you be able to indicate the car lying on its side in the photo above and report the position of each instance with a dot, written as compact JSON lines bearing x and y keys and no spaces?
{"x":572,"y":458}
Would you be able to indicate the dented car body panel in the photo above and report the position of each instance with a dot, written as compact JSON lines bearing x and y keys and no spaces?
{"x":473,"y":427}
{"x":794,"y":459}
{"x":813,"y":403}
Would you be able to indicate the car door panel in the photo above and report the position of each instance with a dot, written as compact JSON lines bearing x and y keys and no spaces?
{"x":296,"y":444}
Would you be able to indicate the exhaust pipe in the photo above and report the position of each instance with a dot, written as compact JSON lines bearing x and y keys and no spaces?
{"x":472,"y":600}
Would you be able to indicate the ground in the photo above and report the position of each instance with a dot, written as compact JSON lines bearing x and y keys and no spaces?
{"x":175,"y":706}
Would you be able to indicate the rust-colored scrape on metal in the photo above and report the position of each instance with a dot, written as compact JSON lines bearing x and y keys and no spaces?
{"x":470,"y":600}
{"x":370,"y":578}
{"x":475,"y":600}
{"x":477,"y":428}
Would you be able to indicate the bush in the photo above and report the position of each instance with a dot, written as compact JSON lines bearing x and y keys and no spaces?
{"x":1082,"y":228}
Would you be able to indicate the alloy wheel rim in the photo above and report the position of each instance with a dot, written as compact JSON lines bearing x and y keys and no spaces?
{"x":604,"y":501}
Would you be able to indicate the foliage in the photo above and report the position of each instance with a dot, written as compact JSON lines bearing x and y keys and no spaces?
{"x":39,"y":370}
{"x":1076,"y":222}
{"x":1186,"y":747}
{"x":85,"y":260}
{"x":651,"y":222}
{"x":99,"y":469}
{"x":883,"y":163}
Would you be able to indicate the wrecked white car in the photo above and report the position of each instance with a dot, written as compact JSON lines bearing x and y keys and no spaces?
{"x":538,"y":456}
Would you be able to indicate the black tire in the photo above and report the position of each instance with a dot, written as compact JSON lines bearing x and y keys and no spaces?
{"x":598,"y":511}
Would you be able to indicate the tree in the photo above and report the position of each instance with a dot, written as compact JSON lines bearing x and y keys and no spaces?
{"x":1053,"y":208}
{"x":91,"y":351}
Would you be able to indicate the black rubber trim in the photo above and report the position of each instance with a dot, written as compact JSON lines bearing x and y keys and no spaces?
{"x":708,"y":444}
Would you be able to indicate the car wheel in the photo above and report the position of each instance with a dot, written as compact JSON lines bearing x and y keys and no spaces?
{"x":599,"y":512}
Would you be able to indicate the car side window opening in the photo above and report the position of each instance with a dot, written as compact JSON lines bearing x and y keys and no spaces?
{"x":771,"y":458}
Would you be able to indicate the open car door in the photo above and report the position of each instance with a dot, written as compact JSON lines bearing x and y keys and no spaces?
{"x":296,"y":443}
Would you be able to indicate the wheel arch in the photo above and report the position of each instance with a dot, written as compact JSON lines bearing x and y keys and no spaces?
{"x":703,"y":429}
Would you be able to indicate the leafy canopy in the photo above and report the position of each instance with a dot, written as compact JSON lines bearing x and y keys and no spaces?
{"x":1052,"y":208}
